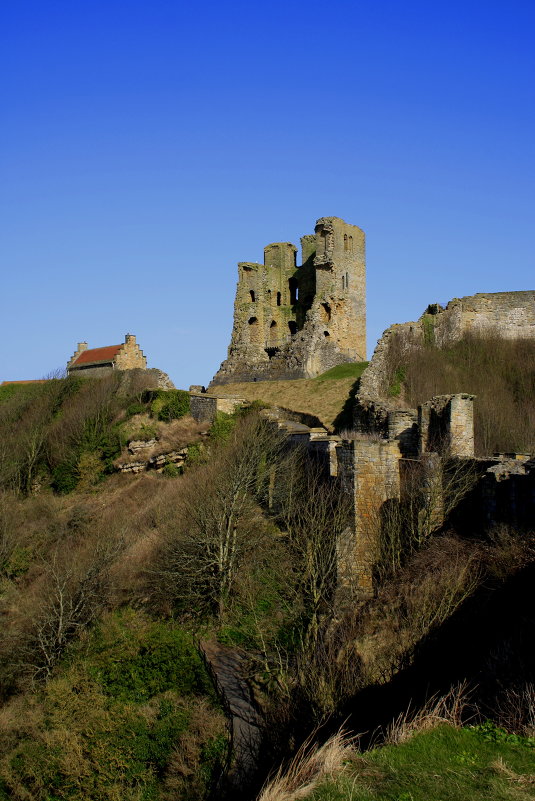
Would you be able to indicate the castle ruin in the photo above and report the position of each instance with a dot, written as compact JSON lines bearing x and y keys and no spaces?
{"x":298,"y":321}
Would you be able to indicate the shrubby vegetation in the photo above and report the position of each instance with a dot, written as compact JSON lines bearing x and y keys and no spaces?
{"x":66,"y":433}
{"x":499,"y":372}
{"x":104,"y":594}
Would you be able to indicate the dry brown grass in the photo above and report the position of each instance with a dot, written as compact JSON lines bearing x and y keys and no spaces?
{"x":323,"y":399}
{"x":308,"y":768}
{"x":449,"y":709}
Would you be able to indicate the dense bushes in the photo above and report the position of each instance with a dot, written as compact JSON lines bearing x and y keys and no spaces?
{"x":128,"y":716}
{"x":133,"y":658}
{"x":169,"y":404}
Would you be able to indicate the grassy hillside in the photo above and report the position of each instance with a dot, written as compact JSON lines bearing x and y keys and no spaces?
{"x":324,"y":396}
{"x":107,"y":581}
{"x":441,"y":764}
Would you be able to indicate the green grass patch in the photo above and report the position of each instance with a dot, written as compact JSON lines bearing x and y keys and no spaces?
{"x":133,"y":658}
{"x":347,"y":370}
{"x":444,"y":764}
{"x":22,"y":390}
{"x":394,"y":390}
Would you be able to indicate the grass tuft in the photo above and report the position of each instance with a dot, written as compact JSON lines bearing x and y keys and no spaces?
{"x":310,"y":766}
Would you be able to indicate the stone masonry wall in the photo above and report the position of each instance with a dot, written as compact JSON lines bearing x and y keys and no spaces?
{"x":130,"y":356}
{"x":446,"y":425}
{"x":296,"y":322}
{"x":506,"y":314}
{"x":205,"y":407}
{"x":369,"y":471}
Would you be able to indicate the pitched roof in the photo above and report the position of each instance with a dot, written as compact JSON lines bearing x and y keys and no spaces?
{"x":29,"y":381}
{"x":97,"y":355}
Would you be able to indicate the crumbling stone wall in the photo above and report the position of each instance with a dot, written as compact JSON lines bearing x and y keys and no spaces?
{"x":205,"y":407}
{"x":446,"y":425}
{"x":505,"y":314}
{"x":297,"y":322}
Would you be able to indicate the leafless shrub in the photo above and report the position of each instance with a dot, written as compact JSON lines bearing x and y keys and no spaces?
{"x":213,"y":520}
{"x":71,"y":593}
{"x":432,"y":488}
{"x":450,"y":708}
{"x":515,"y":709}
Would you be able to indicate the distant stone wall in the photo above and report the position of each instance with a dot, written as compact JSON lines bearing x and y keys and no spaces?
{"x":92,"y":371}
{"x":510,"y":315}
{"x":205,"y":407}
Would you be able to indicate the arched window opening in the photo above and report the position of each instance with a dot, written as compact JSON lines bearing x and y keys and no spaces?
{"x":254,"y":330}
{"x":343,"y":282}
{"x":252,"y":294}
{"x":347,"y":280}
{"x":346,"y":243}
{"x":292,"y":325}
{"x":278,"y":298}
{"x":326,"y":312}
{"x":326,"y":334}
{"x":351,"y":244}
{"x":294,"y":291}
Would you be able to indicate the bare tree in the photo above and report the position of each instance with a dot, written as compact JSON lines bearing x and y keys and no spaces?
{"x":214,"y":520}
{"x":74,"y":592}
{"x":315,"y":512}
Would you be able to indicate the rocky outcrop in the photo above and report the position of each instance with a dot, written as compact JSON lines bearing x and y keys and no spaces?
{"x":157,"y":463}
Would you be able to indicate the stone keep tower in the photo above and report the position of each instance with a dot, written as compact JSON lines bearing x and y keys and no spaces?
{"x":297,"y":322}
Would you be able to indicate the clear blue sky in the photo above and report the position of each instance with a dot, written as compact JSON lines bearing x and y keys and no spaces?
{"x":147,"y":147}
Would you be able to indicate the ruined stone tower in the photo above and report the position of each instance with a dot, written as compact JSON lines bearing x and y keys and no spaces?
{"x":297,"y":322}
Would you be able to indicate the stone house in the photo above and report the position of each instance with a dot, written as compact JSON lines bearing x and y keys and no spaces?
{"x":99,"y":362}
